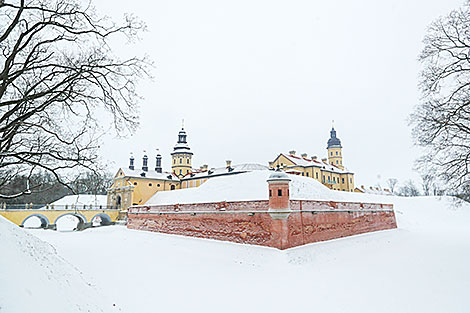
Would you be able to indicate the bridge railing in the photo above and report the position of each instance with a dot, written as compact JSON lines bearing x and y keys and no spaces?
{"x":71,"y":207}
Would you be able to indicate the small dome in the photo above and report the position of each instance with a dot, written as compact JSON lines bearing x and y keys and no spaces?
{"x":278,"y":175}
{"x":334,"y":142}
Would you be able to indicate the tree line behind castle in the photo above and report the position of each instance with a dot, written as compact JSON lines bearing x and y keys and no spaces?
{"x":134,"y":184}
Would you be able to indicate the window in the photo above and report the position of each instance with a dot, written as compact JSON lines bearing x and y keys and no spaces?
{"x":279,"y":192}
{"x":187,"y":161}
{"x":270,"y":193}
{"x":303,"y":174}
{"x":350,"y":180}
{"x":172,"y":187}
{"x":181,"y":161}
{"x":342,"y":179}
{"x":135,"y":183}
{"x":307,"y":174}
{"x":174,"y":161}
{"x":181,"y":172}
{"x":336,"y":152}
{"x":150,"y":184}
{"x":336,"y":161}
{"x":158,"y":185}
{"x":187,"y":172}
{"x":331,"y":152}
{"x":334,"y":179}
{"x":316,"y":174}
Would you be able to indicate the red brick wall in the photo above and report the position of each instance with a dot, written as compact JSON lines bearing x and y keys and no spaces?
{"x":232,"y":221}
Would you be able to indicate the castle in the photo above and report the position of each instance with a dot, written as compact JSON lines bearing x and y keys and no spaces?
{"x":133,"y":186}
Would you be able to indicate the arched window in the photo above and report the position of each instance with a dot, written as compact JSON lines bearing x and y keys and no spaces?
{"x":150,"y":184}
{"x":187,"y":161}
{"x":135,"y":183}
{"x":181,"y":161}
{"x":172,"y":187}
{"x":336,"y":152}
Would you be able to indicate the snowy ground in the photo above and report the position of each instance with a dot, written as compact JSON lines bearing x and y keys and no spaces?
{"x":424,"y":266}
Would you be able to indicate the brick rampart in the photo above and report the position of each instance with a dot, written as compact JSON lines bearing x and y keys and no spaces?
{"x":249,"y":221}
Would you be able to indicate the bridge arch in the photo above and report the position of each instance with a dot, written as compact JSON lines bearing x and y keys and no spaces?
{"x":44,"y":220}
{"x":81,"y":219}
{"x":105,"y":219}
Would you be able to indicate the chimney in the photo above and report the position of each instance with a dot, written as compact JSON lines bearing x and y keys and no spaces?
{"x":271,"y":164}
{"x":314,"y":158}
{"x":362,"y":187}
{"x":204,"y":167}
{"x":145,"y":167}
{"x":158,"y":167}
{"x":131,"y":162}
{"x":292,"y":152}
{"x":304,"y":155}
{"x":324,"y":160}
{"x":228,"y":164}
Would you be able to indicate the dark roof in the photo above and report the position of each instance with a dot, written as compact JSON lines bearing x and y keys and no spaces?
{"x":333,"y":142}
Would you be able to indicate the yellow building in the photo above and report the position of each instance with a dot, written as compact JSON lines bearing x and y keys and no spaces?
{"x":329,"y":171}
{"x":132,"y":186}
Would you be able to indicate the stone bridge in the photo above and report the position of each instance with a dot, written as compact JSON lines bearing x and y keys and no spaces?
{"x":49,"y":217}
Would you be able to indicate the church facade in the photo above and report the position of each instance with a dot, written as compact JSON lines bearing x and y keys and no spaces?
{"x":134,"y":186}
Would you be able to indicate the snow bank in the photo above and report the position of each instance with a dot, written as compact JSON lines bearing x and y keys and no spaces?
{"x":33,"y":278}
{"x":245,"y":187}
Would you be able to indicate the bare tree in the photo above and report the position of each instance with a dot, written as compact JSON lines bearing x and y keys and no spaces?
{"x":57,"y":74}
{"x":408,"y":190}
{"x":442,"y":120}
{"x":391,"y":183}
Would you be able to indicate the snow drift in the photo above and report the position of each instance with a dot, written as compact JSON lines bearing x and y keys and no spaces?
{"x":245,"y":187}
{"x":33,"y":278}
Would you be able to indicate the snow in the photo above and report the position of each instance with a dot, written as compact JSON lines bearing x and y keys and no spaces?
{"x":80,"y":200}
{"x":420,"y":267}
{"x":33,"y":278}
{"x":244,"y":187}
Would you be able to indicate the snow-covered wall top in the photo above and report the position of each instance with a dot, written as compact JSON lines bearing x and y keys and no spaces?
{"x":95,"y":200}
{"x":251,"y":186}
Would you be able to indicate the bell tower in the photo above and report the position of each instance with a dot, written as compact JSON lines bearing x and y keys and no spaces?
{"x":181,"y":156}
{"x":335,"y":153}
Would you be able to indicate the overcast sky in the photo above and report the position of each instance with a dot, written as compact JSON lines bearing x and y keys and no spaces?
{"x":255,"y":78}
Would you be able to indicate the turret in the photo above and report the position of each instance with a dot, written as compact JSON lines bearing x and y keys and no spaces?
{"x":158,"y":163}
{"x":335,"y":155}
{"x":145,"y":167}
{"x":131,"y":162}
{"x":279,"y":195}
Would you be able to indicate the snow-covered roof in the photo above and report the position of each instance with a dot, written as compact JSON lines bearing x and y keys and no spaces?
{"x":300,"y":161}
{"x":95,"y":200}
{"x":245,"y":187}
{"x":147,"y":174}
{"x":236,"y":169}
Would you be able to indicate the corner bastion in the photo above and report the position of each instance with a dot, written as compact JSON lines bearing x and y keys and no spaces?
{"x":286,"y":219}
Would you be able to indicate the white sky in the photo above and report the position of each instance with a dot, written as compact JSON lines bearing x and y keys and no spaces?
{"x":256,"y":78}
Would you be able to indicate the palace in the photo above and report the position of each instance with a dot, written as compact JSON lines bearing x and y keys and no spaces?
{"x":329,"y":171}
{"x":133,"y":186}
